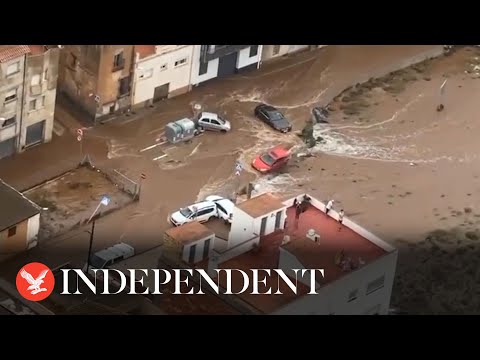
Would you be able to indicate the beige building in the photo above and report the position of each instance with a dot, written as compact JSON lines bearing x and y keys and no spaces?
{"x":273,"y":51}
{"x":161,"y":72}
{"x":97,"y":78}
{"x":19,"y":221}
{"x":28,"y":81}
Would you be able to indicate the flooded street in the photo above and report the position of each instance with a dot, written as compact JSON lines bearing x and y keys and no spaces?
{"x":395,"y":164}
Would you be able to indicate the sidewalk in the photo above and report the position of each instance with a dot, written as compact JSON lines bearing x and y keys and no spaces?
{"x":347,"y":65}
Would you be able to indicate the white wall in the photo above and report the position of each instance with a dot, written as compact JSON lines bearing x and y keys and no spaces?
{"x":178,"y":77}
{"x":287,"y":261}
{"x":242,"y":228}
{"x":199,"y":249}
{"x":244,"y":58}
{"x":333,"y":298}
{"x":211,"y":72}
{"x":33,"y":227}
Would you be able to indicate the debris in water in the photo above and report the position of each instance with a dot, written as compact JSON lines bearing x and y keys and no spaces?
{"x":412,"y":164}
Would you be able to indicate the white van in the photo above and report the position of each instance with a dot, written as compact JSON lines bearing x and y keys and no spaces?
{"x":201,"y":212}
{"x":224,"y":207}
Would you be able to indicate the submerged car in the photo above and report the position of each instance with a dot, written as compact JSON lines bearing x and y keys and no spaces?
{"x":212,"y":122}
{"x":271,"y":160}
{"x":110,"y":256}
{"x":201,"y":212}
{"x":224,"y":207}
{"x":273,"y":117}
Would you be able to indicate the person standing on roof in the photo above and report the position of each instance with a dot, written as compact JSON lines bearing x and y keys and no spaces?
{"x":341,"y":214}
{"x":329,"y":206}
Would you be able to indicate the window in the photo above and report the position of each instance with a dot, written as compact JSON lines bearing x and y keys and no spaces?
{"x":33,"y":105}
{"x":124,"y":86}
{"x":13,"y":68}
{"x":164,"y":67}
{"x":253,"y":50}
{"x":11,"y":95}
{"x":219,"y":207}
{"x":35,"y":80}
{"x":12,"y":231}
{"x":353,"y":295}
{"x":118,"y":61}
{"x":9,"y":121}
{"x":215,"y":122}
{"x":205,"y":211}
{"x":45,"y":75}
{"x":375,"y":285}
{"x":181,"y":62}
{"x":42,"y":101}
{"x":203,"y":68}
{"x":276,"y":49}
{"x":146,"y":74}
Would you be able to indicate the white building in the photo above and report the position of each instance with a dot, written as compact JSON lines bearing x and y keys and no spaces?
{"x":28,"y":82}
{"x":359,"y":268}
{"x":273,"y":51}
{"x":161,"y":72}
{"x":217,"y":61}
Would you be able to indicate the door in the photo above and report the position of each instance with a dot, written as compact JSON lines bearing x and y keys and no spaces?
{"x":161,"y":92}
{"x":35,"y":133}
{"x":227,"y":65}
{"x":263,"y":226}
{"x":215,"y":125}
{"x":191,"y":254}
{"x":278,"y":219}
{"x":7,"y":147}
{"x":206,"y":249}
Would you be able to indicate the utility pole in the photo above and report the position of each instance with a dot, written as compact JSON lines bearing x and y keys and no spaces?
{"x":104,"y":201}
{"x":92,"y":230}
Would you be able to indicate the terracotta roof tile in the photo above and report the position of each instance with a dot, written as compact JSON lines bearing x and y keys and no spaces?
{"x":10,"y":52}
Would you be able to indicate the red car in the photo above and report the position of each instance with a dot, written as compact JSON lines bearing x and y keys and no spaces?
{"x":272,"y":160}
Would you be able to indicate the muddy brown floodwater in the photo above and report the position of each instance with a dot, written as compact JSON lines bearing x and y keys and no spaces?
{"x":73,"y":198}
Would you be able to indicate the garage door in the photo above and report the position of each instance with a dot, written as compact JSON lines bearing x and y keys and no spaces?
{"x":35,"y":133}
{"x":227,"y":65}
{"x":161,"y":92}
{"x":7,"y":147}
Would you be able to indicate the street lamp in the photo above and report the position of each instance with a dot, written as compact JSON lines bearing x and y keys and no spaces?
{"x":104,"y":201}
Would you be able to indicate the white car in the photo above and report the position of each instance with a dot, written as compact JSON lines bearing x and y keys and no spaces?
{"x":224,"y":207}
{"x":202,"y":212}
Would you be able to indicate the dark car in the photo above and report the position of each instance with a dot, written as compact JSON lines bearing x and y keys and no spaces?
{"x":273,"y":117}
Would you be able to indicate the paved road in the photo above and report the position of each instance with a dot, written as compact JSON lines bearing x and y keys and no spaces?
{"x":178,"y":175}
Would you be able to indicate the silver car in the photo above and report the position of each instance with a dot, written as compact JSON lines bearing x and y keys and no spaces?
{"x":212,"y":122}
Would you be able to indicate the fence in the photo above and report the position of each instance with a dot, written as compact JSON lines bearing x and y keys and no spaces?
{"x":120,"y":180}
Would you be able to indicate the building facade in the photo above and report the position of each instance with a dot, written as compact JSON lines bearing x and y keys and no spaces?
{"x":274,"y":51}
{"x":28,"y":82}
{"x":217,"y":61}
{"x":161,"y":72}
{"x":97,"y":78}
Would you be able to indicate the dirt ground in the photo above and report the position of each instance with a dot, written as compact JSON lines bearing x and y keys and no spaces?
{"x":72,"y":198}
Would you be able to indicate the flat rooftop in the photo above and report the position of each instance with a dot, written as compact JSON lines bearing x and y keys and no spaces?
{"x":334,"y":238}
{"x":261,"y":205}
{"x":266,"y":256}
{"x":189,"y":232}
{"x":208,"y":304}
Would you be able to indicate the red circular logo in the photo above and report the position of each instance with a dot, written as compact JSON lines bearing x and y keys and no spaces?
{"x":35,"y":281}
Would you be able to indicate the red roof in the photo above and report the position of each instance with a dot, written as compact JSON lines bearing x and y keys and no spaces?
{"x":10,"y":52}
{"x":145,"y":50}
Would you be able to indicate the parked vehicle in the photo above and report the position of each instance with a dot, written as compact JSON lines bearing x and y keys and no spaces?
{"x":274,"y":118}
{"x":107,"y":257}
{"x":224,"y":207}
{"x":212,"y":122}
{"x":202,"y":212}
{"x":272,"y":160}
